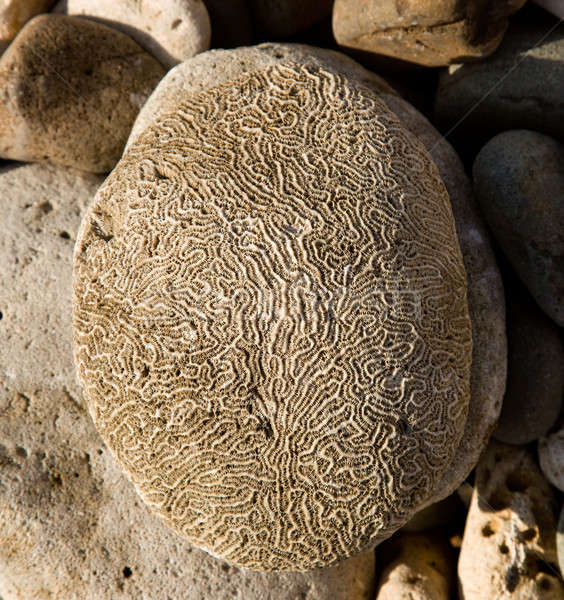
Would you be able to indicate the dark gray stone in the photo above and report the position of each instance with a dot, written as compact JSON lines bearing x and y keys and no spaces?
{"x":535,"y":373}
{"x":519,"y":183}
{"x":520,"y":85}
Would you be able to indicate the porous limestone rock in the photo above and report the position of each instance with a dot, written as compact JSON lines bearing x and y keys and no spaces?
{"x":421,"y":568}
{"x":551,"y":457}
{"x":13,"y":15}
{"x":427,"y":32}
{"x":72,"y":526}
{"x":508,"y":549}
{"x":485,"y":292}
{"x":70,"y":90}
{"x":258,"y":288}
{"x":170,"y":30}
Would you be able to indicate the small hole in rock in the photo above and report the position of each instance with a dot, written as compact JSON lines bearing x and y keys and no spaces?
{"x":21,"y":451}
{"x":487,"y":530}
{"x":1,"y":315}
{"x":65,"y":235}
{"x":127,"y":572}
{"x":545,"y":583}
{"x":176,"y":23}
{"x":503,"y":548}
{"x":527,"y":535}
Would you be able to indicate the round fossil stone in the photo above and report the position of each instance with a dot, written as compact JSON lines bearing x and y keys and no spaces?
{"x":270,"y":319}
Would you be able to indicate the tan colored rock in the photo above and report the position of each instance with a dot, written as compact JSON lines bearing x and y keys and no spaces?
{"x":485,"y":292}
{"x":169,"y":30}
{"x":509,"y":543}
{"x":425,"y":32}
{"x":252,"y":417}
{"x":70,"y":90}
{"x":420,"y":570}
{"x":15,"y":13}
{"x":551,"y":457}
{"x":71,"y":525}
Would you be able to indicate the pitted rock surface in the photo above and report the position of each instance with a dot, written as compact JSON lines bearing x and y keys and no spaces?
{"x":271,"y":327}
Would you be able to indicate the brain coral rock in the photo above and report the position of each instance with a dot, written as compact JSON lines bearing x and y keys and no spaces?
{"x":270,"y":319}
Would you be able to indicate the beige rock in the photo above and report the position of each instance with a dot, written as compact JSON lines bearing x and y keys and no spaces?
{"x":420,"y":570}
{"x":170,"y":30}
{"x":427,"y":32}
{"x":509,"y":545}
{"x":551,"y":458}
{"x":70,"y":90}
{"x":71,"y":525}
{"x":14,"y":13}
{"x":485,"y":292}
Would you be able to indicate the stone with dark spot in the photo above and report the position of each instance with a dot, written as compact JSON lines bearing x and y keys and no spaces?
{"x":519,"y":183}
{"x":509,"y":544}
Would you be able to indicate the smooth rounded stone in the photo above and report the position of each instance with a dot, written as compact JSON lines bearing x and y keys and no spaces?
{"x":70,"y":90}
{"x":72,"y":527}
{"x":169,"y":30}
{"x":508,"y":547}
{"x":15,"y":13}
{"x":523,"y":81}
{"x":519,"y":183}
{"x":420,"y":570}
{"x":427,"y":32}
{"x":535,"y":373}
{"x":485,"y":291}
{"x":554,"y":6}
{"x":551,"y":458}
{"x":282,"y":18}
{"x":258,"y":482}
{"x":230,"y":23}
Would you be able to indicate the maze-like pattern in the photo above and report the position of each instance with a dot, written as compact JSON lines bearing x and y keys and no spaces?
{"x":270,"y":319}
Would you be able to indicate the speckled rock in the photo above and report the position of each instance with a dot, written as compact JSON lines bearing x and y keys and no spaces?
{"x":70,"y":90}
{"x":72,"y":527}
{"x":230,"y":23}
{"x":430,"y":33}
{"x":524,"y":84}
{"x":282,"y":18}
{"x":519,"y":183}
{"x":169,"y":30}
{"x":15,"y":13}
{"x":485,"y":291}
{"x":509,"y":545}
{"x":535,"y":373}
{"x":551,"y":458}
{"x":420,"y":570}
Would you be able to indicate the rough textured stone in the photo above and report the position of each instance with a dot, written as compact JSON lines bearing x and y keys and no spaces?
{"x":485,"y":292}
{"x":230,"y":23}
{"x":551,"y":458}
{"x":524,"y":85}
{"x":15,"y":13}
{"x":508,"y":549}
{"x":535,"y":373}
{"x":169,"y":30}
{"x":241,"y":177}
{"x":72,"y":527}
{"x":420,"y":570}
{"x":70,"y":90}
{"x":282,"y":18}
{"x":427,"y":32}
{"x":519,"y":183}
